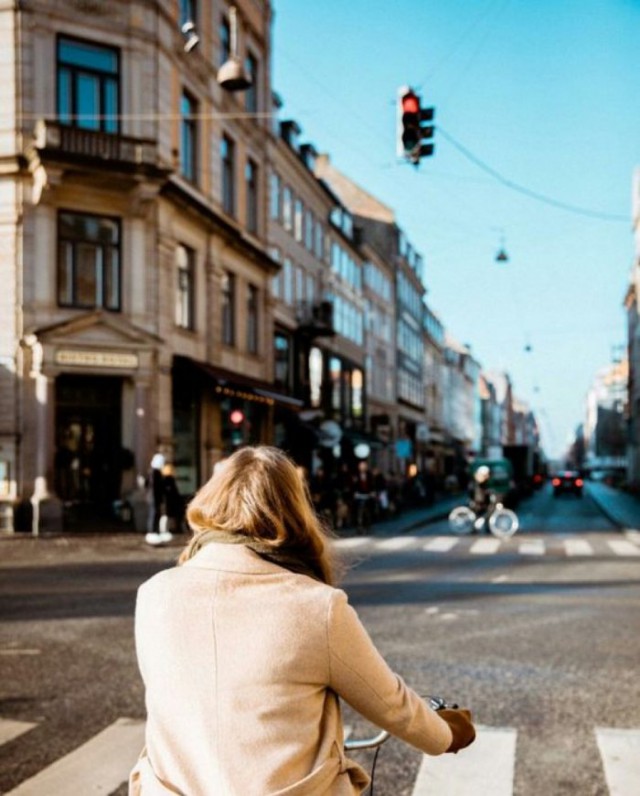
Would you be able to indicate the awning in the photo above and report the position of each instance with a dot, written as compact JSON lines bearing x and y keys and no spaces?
{"x":228,"y":384}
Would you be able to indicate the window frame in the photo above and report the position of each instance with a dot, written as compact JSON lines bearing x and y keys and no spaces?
{"x":189,"y":131}
{"x":117,"y":247}
{"x":228,"y":176}
{"x":106,"y":124}
{"x":187,"y":323}
{"x":228,"y":309}
{"x":251,"y":184}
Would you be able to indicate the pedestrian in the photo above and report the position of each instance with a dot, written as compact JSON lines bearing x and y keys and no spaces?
{"x":245,"y":647}
{"x":173,"y":501}
{"x":155,"y":497}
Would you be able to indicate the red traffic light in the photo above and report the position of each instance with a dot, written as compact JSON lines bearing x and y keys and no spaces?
{"x":410,"y":103}
{"x":236,"y":417}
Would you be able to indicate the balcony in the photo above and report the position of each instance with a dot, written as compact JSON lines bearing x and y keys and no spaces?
{"x":315,"y":319}
{"x":54,"y":141}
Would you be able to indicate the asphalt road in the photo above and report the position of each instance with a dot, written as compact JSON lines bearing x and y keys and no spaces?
{"x":539,"y":635}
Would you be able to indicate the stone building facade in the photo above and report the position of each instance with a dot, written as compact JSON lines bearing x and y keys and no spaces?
{"x":134,"y":206}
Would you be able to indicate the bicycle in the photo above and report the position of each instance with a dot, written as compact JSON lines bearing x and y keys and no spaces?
{"x":375,"y":742}
{"x":501,"y":521}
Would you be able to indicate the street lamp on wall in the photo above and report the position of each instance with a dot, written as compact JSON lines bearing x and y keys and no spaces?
{"x":232,"y":76}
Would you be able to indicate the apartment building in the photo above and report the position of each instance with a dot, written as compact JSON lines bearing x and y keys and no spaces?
{"x":136,"y":310}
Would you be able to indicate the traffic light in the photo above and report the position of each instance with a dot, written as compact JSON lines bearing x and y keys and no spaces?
{"x":414,"y":138}
{"x":236,"y":418}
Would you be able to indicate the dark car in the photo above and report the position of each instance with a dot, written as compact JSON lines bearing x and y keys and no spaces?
{"x":567,"y":482}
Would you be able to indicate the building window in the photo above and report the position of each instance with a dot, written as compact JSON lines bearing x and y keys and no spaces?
{"x":251,"y":180}
{"x":225,"y":41}
{"x":275,"y":196}
{"x":188,"y":136}
{"x":252,"y":319}
{"x":297,"y":221}
{"x":185,"y":287}
{"x":251,"y":94}
{"x":228,"y":309}
{"x":276,"y":280}
{"x":88,"y":81}
{"x":187,"y":11}
{"x":282,"y":359}
{"x":309,"y":224}
{"x":227,"y":153}
{"x":287,"y":208}
{"x":287,"y":277}
{"x":88,"y":261}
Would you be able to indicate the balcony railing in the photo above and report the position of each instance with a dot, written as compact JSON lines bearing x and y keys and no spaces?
{"x":93,"y":144}
{"x":315,"y":318}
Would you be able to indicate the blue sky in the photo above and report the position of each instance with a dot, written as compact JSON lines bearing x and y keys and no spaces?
{"x":545,"y":93}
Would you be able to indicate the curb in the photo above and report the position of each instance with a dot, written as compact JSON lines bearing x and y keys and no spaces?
{"x":620,"y":525}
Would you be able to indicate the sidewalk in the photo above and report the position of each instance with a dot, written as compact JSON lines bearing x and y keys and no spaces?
{"x":619,"y":507}
{"x":414,"y":518}
{"x":75,"y":547}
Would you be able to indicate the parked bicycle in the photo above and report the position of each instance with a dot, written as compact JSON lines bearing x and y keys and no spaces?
{"x":500,"y":521}
{"x":376,"y":741}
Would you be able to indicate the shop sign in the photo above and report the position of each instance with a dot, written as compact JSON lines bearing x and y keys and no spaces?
{"x":96,"y":359}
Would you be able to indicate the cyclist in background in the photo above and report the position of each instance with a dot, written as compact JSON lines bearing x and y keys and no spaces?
{"x":480,"y":495}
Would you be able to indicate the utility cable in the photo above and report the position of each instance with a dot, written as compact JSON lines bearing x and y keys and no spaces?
{"x":514,"y":186}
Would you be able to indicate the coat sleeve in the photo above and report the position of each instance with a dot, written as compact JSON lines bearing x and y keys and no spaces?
{"x":360,"y":675}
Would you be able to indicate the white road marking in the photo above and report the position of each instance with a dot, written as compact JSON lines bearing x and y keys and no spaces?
{"x":632,"y":535}
{"x":500,"y":579}
{"x":620,"y":752}
{"x":532,"y":547}
{"x":396,"y":543}
{"x":10,"y":729}
{"x":97,"y":767}
{"x":485,"y":546}
{"x":578,"y":547}
{"x":441,"y":544}
{"x":623,"y":547}
{"x":484,"y":769}
{"x":354,"y":541}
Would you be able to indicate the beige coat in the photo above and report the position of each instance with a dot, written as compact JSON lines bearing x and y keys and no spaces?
{"x":242,"y":661}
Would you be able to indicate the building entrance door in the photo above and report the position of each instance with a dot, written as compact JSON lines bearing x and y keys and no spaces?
{"x":88,"y":463}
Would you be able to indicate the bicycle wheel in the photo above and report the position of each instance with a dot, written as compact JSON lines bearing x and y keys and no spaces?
{"x":503,"y":523}
{"x":461,"y":519}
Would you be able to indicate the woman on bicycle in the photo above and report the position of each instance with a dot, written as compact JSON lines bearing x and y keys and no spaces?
{"x":245,"y":648}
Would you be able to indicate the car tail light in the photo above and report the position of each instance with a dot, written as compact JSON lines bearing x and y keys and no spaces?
{"x":579,"y":482}
{"x":556,"y":482}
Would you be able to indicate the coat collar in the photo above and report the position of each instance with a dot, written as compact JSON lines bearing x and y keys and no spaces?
{"x":232,"y":558}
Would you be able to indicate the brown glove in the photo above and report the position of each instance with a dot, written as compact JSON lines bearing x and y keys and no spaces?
{"x":459,"y":721}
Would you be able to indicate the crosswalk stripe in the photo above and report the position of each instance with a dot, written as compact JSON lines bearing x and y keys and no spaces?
{"x":632,"y":535}
{"x":355,"y":541}
{"x":441,"y":544}
{"x":578,"y":547}
{"x":10,"y":729}
{"x":486,"y":768}
{"x":396,"y":543}
{"x":97,"y":767}
{"x":623,"y":547}
{"x":485,"y":546}
{"x":620,"y":752}
{"x":532,"y":547}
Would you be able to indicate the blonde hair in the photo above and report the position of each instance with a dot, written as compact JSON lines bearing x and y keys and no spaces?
{"x":259,"y":493}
